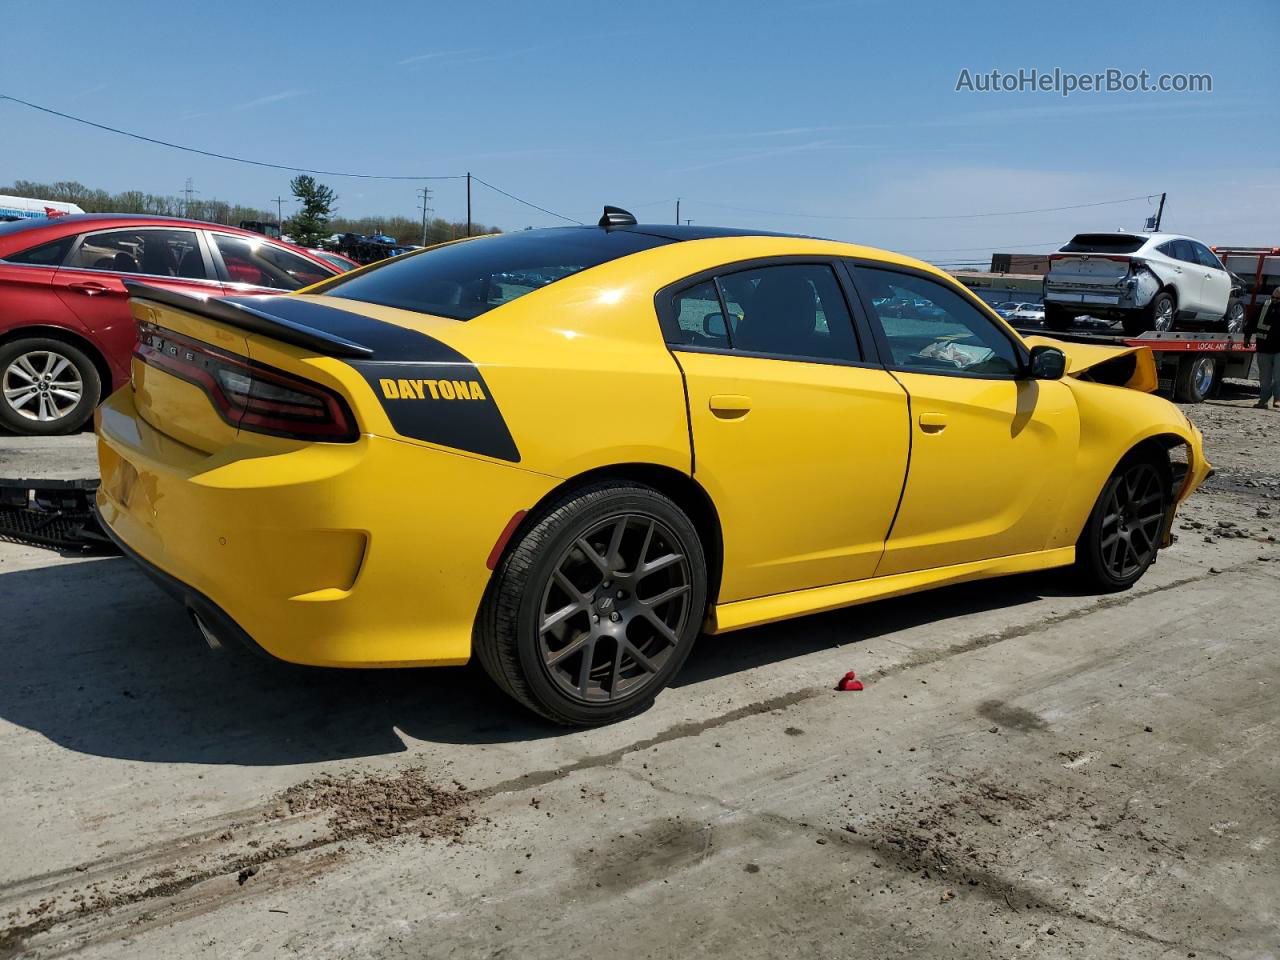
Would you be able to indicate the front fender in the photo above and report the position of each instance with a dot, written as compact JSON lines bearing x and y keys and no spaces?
{"x":1113,"y":421}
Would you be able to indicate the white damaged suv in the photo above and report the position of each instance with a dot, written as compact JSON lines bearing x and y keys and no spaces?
{"x":1147,"y":281}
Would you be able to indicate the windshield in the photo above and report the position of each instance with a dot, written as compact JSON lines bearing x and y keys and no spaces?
{"x":464,"y":280}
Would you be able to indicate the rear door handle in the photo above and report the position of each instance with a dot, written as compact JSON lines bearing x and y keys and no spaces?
{"x":933,"y":422}
{"x":88,"y":288}
{"x":729,"y":406}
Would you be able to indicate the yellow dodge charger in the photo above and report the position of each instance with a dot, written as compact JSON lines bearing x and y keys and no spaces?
{"x":569,"y":451}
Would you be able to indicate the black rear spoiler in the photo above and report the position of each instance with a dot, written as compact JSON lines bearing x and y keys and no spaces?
{"x":251,"y":319}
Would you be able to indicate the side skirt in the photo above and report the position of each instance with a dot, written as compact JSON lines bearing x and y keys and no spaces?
{"x":782,"y":606}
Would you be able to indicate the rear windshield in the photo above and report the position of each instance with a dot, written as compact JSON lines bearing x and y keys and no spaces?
{"x":1104,"y":243}
{"x":463,"y":280}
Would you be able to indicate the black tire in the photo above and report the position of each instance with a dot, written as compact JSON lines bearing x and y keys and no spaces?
{"x":1122,"y":535}
{"x":1197,"y":379}
{"x":1058,"y":318}
{"x":542,"y":666}
{"x":49,"y":408}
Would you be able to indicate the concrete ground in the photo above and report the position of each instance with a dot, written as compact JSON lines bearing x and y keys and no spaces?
{"x":1030,"y":772}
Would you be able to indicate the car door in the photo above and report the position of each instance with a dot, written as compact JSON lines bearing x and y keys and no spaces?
{"x":798,"y":434}
{"x":1216,"y":288}
{"x":91,"y":280}
{"x":991,"y":451}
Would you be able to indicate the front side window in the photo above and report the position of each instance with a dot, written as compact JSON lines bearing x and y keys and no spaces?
{"x":264,"y":264}
{"x":932,"y":329}
{"x":157,"y":253}
{"x":790,"y":310}
{"x":1207,"y":257}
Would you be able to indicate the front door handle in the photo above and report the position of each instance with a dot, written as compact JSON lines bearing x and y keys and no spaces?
{"x":729,"y":406}
{"x":88,"y":288}
{"x":933,"y":422}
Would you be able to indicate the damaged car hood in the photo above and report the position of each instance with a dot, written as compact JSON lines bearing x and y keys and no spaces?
{"x":1133,"y":367}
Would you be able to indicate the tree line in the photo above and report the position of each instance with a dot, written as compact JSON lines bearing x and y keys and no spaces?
{"x":91,"y":200}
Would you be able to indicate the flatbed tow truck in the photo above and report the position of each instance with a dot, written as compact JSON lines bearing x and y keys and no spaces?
{"x":1191,"y":365}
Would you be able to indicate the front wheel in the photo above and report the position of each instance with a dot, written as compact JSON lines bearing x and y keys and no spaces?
{"x":1233,"y":319}
{"x":596,"y":607}
{"x":1121,"y":536}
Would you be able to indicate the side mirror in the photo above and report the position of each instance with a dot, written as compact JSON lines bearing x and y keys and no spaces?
{"x":1048,"y":363}
{"x":713,"y":326}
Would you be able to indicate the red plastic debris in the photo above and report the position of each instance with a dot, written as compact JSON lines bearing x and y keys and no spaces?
{"x":849,"y":681}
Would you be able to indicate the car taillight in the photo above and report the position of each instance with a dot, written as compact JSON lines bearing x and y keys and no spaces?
{"x":249,"y":395}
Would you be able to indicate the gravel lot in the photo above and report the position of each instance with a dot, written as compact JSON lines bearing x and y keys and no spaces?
{"x":1029,"y":772}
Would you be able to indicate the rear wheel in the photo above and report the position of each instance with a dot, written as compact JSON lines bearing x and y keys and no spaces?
{"x":46,"y":386}
{"x":1121,"y":536}
{"x":1196,"y":379}
{"x":597,"y":606}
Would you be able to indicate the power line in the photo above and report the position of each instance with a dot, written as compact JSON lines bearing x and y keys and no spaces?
{"x":219,"y":156}
{"x":526,"y":202}
{"x":277,"y":166}
{"x":948,"y":216}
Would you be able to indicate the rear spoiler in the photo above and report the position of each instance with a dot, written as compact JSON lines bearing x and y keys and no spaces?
{"x":251,"y":319}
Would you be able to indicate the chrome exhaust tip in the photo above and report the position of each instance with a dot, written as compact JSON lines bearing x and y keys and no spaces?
{"x":209,"y":638}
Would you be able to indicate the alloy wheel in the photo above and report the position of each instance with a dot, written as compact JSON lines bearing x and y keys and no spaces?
{"x":42,"y":385}
{"x":1131,"y":521}
{"x":1235,"y":318}
{"x":1164,"y":315}
{"x":614,"y":608}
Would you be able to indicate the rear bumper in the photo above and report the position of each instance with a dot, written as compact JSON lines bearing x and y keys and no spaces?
{"x":215,"y":620}
{"x":363,"y":554}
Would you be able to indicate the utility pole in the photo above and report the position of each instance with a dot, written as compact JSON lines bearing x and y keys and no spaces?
{"x":425,"y":194}
{"x":1160,"y":212}
{"x":468,"y":203}
{"x":187,"y":191}
{"x":279,"y":202}
{"x":677,"y":211}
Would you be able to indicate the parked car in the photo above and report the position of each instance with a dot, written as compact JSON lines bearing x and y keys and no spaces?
{"x":570,"y":481}
{"x":66,"y":334}
{"x":1027,"y":313}
{"x":336,"y":259}
{"x":1147,"y":281}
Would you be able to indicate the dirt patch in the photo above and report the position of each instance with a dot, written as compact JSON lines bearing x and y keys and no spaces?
{"x":382,"y":807}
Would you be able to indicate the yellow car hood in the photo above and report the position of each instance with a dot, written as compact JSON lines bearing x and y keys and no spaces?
{"x":1133,"y":367}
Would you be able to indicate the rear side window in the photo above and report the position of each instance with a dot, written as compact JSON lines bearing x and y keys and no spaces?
{"x":264,"y":264}
{"x":464,"y":280}
{"x":794,"y":310}
{"x":699,"y":318}
{"x":49,"y":254}
{"x":1104,"y":243}
{"x":157,"y":253}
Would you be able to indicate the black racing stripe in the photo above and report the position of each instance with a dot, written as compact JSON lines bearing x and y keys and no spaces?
{"x":387,"y":340}
{"x":428,"y":389}
{"x":445,"y":403}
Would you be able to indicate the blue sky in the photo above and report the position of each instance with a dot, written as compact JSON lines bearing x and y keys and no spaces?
{"x":752,"y":112}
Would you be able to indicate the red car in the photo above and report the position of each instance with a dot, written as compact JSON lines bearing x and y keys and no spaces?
{"x":66,"y":333}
